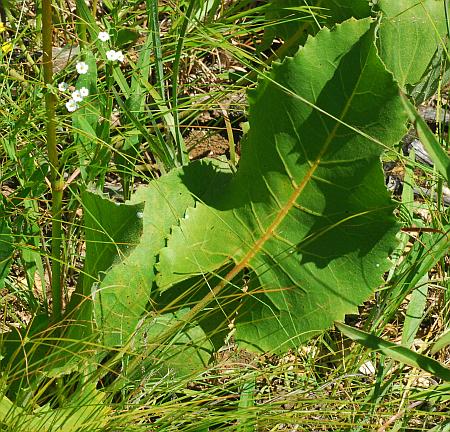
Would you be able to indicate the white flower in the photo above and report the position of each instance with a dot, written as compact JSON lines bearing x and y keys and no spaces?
{"x":111,"y":55}
{"x":76,"y":96}
{"x":62,"y":86}
{"x":71,"y":105}
{"x":84,"y":92}
{"x":103,"y":36}
{"x":119,"y":56}
{"x":82,"y":67}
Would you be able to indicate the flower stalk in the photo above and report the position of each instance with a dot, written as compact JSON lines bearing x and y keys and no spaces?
{"x":56,"y":179}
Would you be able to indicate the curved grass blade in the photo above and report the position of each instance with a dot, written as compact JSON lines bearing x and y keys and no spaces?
{"x":442,"y":342}
{"x":440,"y":158}
{"x":397,"y":352}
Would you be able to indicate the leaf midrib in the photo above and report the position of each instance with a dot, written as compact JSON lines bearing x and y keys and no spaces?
{"x":268,"y":233}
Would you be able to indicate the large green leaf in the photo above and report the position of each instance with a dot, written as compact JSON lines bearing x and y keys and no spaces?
{"x":295,"y":19}
{"x":112,"y":231}
{"x":307,"y":212}
{"x":412,"y":34}
{"x":125,"y":291}
{"x":86,"y":410}
{"x":188,"y":352}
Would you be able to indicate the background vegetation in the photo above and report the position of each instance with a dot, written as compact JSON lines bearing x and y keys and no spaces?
{"x":195,"y":228}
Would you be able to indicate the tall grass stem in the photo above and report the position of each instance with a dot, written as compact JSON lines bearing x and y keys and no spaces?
{"x":56,"y":180}
{"x":183,"y":158}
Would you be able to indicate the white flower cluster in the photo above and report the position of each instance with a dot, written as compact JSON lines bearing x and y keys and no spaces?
{"x":83,"y":68}
{"x":77,"y":96}
{"x":112,"y":55}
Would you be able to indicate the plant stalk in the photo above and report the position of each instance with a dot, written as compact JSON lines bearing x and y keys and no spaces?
{"x":182,"y":154}
{"x":56,"y":180}
{"x":94,"y":8}
{"x":38,"y":24}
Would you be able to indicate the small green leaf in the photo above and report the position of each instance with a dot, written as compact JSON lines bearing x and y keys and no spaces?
{"x":125,"y":37}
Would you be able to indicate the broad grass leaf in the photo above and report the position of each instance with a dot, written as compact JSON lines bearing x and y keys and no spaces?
{"x":307,"y":212}
{"x":442,"y":342}
{"x":6,"y":251}
{"x":397,"y":352}
{"x":415,"y":312}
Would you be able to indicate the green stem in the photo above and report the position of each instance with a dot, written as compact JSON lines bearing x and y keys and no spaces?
{"x":55,"y":178}
{"x":94,"y":8}
{"x":38,"y":8}
{"x":81,"y":30}
{"x":182,"y":154}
